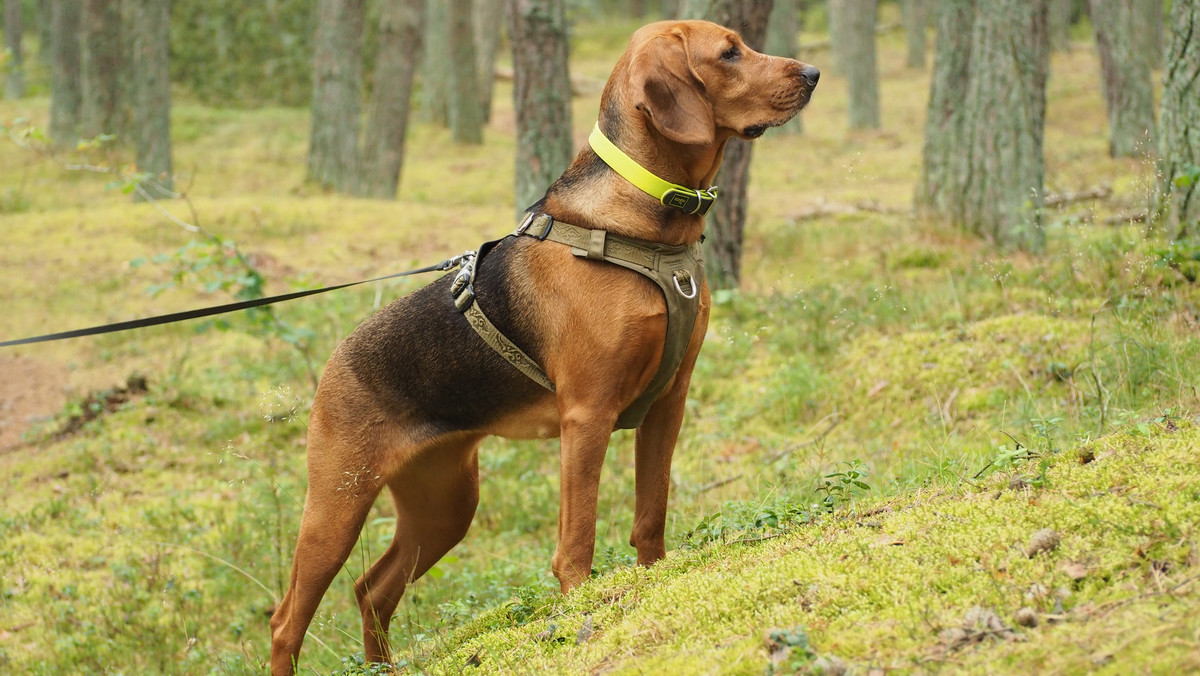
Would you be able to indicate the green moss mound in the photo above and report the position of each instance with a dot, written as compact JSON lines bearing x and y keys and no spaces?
{"x":931,"y":579}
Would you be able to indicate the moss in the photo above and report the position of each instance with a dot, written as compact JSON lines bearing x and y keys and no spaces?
{"x":879,"y":590}
{"x":958,"y":373}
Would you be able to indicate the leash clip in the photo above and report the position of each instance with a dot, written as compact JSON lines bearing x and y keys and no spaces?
{"x":462,"y":289}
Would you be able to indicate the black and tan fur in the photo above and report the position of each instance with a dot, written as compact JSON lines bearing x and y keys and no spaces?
{"x":406,"y":399}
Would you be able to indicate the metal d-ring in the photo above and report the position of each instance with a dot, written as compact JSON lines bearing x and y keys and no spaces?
{"x":691,"y":280}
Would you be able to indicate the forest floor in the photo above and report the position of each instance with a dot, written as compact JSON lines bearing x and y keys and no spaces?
{"x":882,"y":420}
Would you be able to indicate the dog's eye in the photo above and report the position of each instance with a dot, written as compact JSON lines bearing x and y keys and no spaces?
{"x":731,"y":54}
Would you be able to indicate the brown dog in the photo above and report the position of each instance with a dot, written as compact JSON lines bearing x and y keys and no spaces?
{"x":406,"y":399}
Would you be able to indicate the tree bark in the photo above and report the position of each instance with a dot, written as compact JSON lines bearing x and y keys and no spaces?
{"x":435,"y":66}
{"x":723,"y":250}
{"x":14,"y":83}
{"x":401,"y":29}
{"x":942,"y":159}
{"x":103,"y":62}
{"x":1006,"y":113}
{"x":537,"y":30}
{"x":64,"y":74}
{"x":1125,"y":75}
{"x":915,"y":15}
{"x":1060,"y":25}
{"x":1148,"y":25}
{"x":466,"y":116}
{"x":1179,"y":182}
{"x":856,"y":58}
{"x":487,"y":22}
{"x":152,"y":104}
{"x":783,"y":39}
{"x":337,"y":88}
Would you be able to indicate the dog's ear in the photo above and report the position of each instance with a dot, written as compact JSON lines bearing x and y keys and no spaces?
{"x":667,"y":88}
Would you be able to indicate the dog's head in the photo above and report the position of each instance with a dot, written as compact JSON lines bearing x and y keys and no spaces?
{"x":698,"y":83}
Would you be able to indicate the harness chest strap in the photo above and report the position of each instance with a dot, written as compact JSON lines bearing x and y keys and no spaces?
{"x":677,"y":270}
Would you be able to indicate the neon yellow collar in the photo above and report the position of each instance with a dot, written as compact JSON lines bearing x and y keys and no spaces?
{"x":690,"y":200}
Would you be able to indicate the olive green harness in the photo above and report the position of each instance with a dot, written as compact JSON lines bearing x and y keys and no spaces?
{"x":678,"y":271}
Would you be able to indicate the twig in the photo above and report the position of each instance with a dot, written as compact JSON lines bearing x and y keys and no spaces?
{"x":833,"y":422}
{"x":717,"y":484}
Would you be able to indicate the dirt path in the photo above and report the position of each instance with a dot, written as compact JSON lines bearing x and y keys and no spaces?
{"x":29,"y":390}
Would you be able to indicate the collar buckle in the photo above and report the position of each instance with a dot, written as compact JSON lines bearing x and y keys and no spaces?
{"x":695,"y":202}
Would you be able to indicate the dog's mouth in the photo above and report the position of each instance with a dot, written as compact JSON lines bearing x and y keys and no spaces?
{"x":754,"y":131}
{"x":789,"y":110}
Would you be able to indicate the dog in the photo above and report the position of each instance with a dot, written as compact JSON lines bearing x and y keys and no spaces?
{"x":406,"y":399}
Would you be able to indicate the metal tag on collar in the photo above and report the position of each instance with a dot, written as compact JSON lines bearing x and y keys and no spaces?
{"x":695,"y":202}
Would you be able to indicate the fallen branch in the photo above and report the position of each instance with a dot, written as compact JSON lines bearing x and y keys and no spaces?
{"x":823,"y":209}
{"x":1127,"y":217}
{"x":1096,"y":192}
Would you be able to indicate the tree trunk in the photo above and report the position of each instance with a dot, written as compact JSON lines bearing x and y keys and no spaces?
{"x":1006,"y":115}
{"x":856,"y":58}
{"x":723,"y":255}
{"x":783,"y":39}
{"x":14,"y":83}
{"x":64,"y":74}
{"x":488,"y":19}
{"x":1125,"y":74}
{"x":152,"y":104}
{"x":337,"y":88}
{"x":537,"y":30}
{"x":102,"y":66}
{"x":942,"y":158}
{"x":1179,"y":175}
{"x":916,"y":18}
{"x":401,"y":28}
{"x":466,"y":117}
{"x":1060,"y":25}
{"x":1148,"y":24}
{"x":435,"y":66}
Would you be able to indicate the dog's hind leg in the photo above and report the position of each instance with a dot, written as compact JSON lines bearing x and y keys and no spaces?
{"x":435,"y":496}
{"x":340,"y":494}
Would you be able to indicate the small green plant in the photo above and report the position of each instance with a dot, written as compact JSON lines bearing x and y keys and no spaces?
{"x":527,"y":603}
{"x":357,"y":665}
{"x":1045,"y":446}
{"x":748,"y":520}
{"x":217,"y":265}
{"x":841,"y":487}
{"x":1182,"y":256}
{"x":789,"y":651}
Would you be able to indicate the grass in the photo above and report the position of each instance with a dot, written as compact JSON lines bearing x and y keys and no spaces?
{"x":958,"y":383}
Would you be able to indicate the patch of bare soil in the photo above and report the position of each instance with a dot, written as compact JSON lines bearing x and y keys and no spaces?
{"x":101,"y":402}
{"x":30,"y":390}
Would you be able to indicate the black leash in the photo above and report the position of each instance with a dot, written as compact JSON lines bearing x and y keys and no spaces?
{"x":219,"y":309}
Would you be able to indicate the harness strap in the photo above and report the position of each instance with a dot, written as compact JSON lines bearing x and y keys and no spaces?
{"x":505,"y":347}
{"x":669,"y":267}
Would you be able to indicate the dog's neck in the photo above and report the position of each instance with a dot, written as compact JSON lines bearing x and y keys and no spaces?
{"x":591,"y":194}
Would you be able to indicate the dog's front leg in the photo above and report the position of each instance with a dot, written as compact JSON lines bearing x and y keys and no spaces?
{"x":655,"y":447}
{"x":584,"y":442}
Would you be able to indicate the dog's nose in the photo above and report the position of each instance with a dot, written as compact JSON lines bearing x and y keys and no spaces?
{"x":811,"y":74}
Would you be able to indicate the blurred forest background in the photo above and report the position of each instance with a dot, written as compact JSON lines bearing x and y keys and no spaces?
{"x":971,"y":261}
